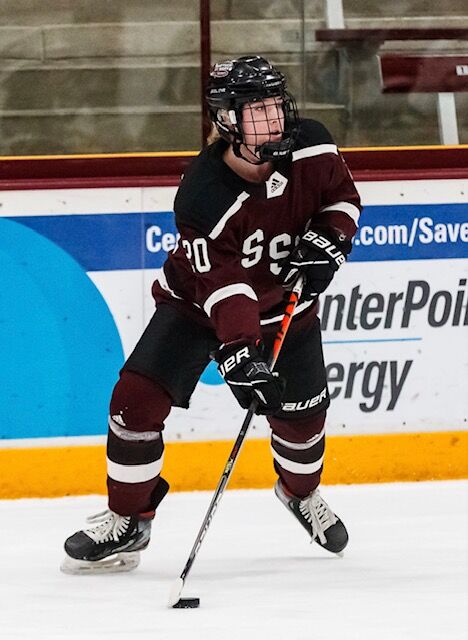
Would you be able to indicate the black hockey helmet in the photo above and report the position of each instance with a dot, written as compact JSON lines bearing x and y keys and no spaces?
{"x":233,"y":83}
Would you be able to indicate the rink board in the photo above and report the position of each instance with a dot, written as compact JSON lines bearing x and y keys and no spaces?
{"x":79,"y":470}
{"x":394,"y":330}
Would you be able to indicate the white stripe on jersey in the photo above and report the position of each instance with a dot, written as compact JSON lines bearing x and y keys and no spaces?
{"x":134,"y":473}
{"x":316,"y":150}
{"x":346,"y":207}
{"x":302,"y":468}
{"x":161,"y":278}
{"x":217,"y":229}
{"x":226,"y":292}
{"x":299,"y":309}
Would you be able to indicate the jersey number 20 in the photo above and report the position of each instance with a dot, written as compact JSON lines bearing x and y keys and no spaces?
{"x":197,"y":254}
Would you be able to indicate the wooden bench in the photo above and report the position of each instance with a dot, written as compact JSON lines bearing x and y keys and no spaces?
{"x":344,"y":36}
{"x":439,"y":74}
{"x":401,"y":72}
{"x":336,"y":30}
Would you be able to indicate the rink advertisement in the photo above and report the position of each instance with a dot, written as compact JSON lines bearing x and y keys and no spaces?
{"x":77,"y":270}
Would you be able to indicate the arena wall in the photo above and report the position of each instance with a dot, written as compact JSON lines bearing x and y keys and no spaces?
{"x":77,"y":267}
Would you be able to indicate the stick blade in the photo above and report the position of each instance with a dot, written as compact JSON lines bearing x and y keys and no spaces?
{"x":176,"y":590}
{"x":176,"y":602}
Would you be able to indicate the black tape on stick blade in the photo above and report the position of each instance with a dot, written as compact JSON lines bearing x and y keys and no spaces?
{"x":187,"y":603}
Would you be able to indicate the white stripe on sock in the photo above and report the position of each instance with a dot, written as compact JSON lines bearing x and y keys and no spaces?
{"x":299,"y":446}
{"x":134,"y":473}
{"x":302,"y":468}
{"x":132,"y":436}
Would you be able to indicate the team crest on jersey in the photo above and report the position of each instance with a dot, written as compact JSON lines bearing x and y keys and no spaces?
{"x":276,"y":184}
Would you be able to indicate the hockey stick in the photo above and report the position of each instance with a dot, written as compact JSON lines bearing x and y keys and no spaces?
{"x":175,"y":601}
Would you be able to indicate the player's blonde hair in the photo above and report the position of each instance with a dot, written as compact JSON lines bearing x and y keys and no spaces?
{"x":213,"y":135}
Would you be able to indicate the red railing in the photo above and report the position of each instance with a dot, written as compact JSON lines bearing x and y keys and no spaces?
{"x":127,"y":170}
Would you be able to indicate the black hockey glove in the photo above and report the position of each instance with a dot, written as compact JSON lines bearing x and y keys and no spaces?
{"x":249,"y":378}
{"x":317,"y":257}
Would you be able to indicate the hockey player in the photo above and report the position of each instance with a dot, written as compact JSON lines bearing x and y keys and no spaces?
{"x":271,"y":198}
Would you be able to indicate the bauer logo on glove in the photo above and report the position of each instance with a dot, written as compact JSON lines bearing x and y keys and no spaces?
{"x":250,"y":378}
{"x":233,"y":360}
{"x":317,"y":257}
{"x":323,"y":243}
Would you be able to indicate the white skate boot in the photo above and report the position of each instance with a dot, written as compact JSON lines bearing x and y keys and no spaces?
{"x":314,"y":514}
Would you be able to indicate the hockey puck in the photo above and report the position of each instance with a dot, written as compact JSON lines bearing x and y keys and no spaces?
{"x":187,"y":603}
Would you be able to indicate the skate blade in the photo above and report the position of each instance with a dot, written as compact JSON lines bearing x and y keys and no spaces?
{"x":338,"y":554}
{"x":118,"y":563}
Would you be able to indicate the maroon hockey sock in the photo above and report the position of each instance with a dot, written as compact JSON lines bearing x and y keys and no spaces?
{"x":298,"y":448}
{"x":135,"y":445}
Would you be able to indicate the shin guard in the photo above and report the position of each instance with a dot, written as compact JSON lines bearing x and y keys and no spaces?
{"x":298,"y":448}
{"x":135,"y":445}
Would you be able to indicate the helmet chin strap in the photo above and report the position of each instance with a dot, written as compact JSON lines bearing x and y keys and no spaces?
{"x":236,"y":147}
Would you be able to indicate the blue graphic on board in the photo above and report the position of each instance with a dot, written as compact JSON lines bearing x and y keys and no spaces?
{"x":60,"y":348}
{"x":59,"y":345}
{"x":412,"y":232}
{"x":211,"y":375}
{"x":109,"y":242}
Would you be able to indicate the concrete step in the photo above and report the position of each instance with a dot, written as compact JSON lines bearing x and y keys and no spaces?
{"x":100,"y":132}
{"x":94,"y":131}
{"x":33,"y":13}
{"x":169,"y":41}
{"x":75,"y":87}
{"x":74,"y":73}
{"x":53,"y":12}
{"x":166,"y":40}
{"x":386,"y":122}
{"x":25,"y":12}
{"x":100,"y":85}
{"x":395,"y":120}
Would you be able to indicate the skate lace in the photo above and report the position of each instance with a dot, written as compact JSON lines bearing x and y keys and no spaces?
{"x":108,"y":526}
{"x":318,"y":514}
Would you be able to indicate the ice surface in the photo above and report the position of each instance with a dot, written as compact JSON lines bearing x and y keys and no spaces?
{"x":404,"y":575}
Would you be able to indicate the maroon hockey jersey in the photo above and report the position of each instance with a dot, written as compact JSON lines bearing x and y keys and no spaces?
{"x":234,"y":234}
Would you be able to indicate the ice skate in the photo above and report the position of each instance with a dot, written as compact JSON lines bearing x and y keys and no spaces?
{"x":324,"y":527}
{"x":112,"y":545}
